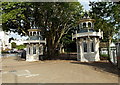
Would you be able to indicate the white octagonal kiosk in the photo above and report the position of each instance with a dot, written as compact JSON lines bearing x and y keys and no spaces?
{"x":87,"y":40}
{"x":34,"y":45}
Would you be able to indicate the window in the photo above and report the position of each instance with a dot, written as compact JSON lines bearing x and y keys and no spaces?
{"x":29,"y":50}
{"x":92,"y":47}
{"x":85,"y":46}
{"x":34,"y":50}
{"x":34,"y":33}
{"x":89,"y":24}
{"x":39,"y":50}
{"x":84,"y":25}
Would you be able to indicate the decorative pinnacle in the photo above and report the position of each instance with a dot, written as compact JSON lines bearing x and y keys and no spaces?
{"x":86,"y":16}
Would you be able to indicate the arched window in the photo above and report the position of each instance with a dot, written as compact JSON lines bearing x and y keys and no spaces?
{"x":39,"y":50}
{"x":85,"y":46}
{"x":89,"y":24}
{"x":29,"y":50}
{"x":84,"y":25}
{"x":34,"y":33}
{"x":92,"y":47}
{"x":34,"y":49}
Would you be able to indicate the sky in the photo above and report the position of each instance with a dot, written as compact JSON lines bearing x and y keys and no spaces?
{"x":86,"y":7}
{"x":85,"y":3}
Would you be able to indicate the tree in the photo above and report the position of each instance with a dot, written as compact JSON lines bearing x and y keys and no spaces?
{"x":13,"y":45}
{"x":107,"y":19}
{"x":54,"y":19}
{"x":67,"y":42}
{"x":11,"y":39}
{"x":20,"y":47}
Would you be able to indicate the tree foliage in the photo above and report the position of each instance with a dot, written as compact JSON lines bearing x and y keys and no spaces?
{"x":13,"y":45}
{"x":107,"y":18}
{"x":54,"y":19}
{"x":19,"y":47}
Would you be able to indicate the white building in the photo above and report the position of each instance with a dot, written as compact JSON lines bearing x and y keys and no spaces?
{"x":87,"y":40}
{"x":34,"y":45}
{"x":104,"y":50}
{"x":4,"y":38}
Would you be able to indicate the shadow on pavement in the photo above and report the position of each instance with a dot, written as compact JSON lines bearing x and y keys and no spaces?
{"x":101,"y":66}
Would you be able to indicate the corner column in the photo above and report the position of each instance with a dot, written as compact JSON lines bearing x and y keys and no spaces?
{"x":97,"y":49}
{"x":78,"y":50}
{"x":82,"y":50}
{"x":37,"y":51}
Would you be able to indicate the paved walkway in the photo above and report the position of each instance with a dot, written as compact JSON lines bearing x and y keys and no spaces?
{"x":56,"y":71}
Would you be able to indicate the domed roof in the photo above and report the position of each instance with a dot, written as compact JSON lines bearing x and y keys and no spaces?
{"x":86,"y":18}
{"x":30,"y":30}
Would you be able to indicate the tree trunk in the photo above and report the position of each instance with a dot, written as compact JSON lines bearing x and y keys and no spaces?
{"x":51,"y":49}
{"x":53,"y":42}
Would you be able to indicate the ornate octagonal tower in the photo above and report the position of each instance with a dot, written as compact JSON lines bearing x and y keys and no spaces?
{"x":87,"y":40}
{"x":35,"y":44}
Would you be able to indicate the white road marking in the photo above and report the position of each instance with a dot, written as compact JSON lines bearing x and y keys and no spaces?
{"x":25,"y":73}
{"x":32,"y":75}
{"x":5,"y":72}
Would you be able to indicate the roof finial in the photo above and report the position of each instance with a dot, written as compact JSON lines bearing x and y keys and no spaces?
{"x":86,"y":16}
